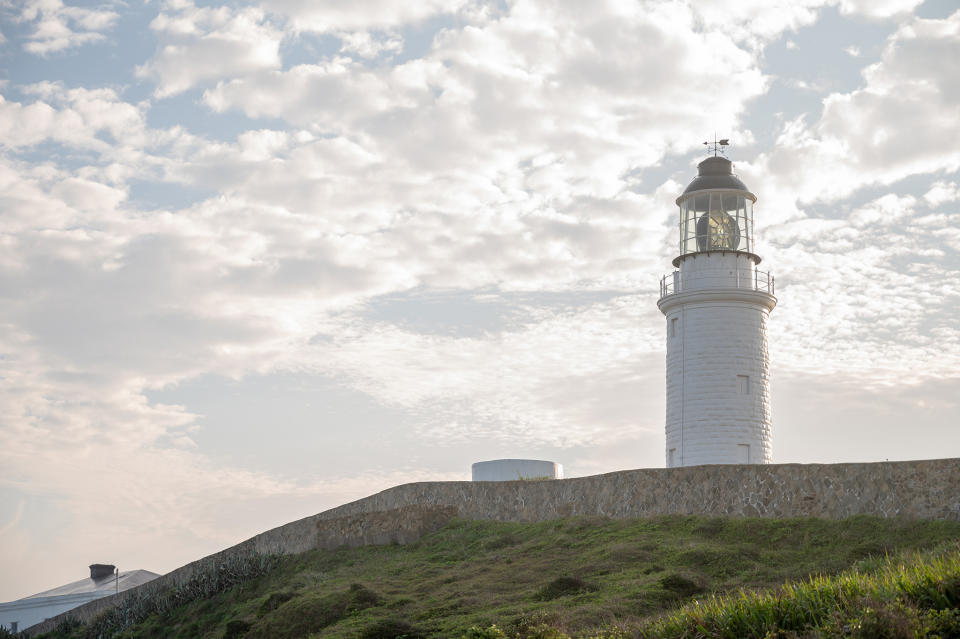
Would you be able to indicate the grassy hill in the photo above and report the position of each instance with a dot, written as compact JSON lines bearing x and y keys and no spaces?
{"x":664,"y":577}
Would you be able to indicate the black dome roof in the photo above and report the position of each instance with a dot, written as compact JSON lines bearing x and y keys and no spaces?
{"x":715,"y":173}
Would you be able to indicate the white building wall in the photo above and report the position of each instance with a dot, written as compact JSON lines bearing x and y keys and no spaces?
{"x":33,"y":610}
{"x":718,"y":385}
{"x":717,"y":269}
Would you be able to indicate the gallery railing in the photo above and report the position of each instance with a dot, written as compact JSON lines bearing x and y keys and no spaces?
{"x":753,"y":280}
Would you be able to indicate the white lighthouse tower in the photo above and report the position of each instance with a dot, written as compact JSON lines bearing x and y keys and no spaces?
{"x":717,"y":304}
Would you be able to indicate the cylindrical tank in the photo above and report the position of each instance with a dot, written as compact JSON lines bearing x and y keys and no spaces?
{"x":514,"y":469}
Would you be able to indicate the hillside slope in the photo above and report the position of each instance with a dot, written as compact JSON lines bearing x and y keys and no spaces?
{"x":580,"y":577}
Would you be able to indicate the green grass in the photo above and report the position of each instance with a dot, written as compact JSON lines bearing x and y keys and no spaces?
{"x":910,"y":595}
{"x":587,"y":577}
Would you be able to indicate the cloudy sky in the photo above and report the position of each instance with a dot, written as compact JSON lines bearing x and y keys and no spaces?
{"x":262,"y":258}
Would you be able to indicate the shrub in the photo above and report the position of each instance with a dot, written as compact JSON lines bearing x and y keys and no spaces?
{"x":534,"y":626}
{"x":66,"y":629}
{"x":501,"y":541}
{"x":392,"y":629}
{"x":942,"y":623}
{"x":362,"y":597}
{"x":543,"y":631}
{"x":680,"y":585}
{"x":869,"y":548}
{"x":884,"y":621}
{"x":493,"y":632}
{"x":236,"y":628}
{"x":563,"y":586}
{"x":710,"y":528}
{"x":273,"y":602}
{"x":310,"y":614}
{"x":951,"y":591}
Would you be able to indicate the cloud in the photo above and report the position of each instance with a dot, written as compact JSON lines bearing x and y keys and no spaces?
{"x":891,"y":127}
{"x":529,"y":149}
{"x":504,"y":157}
{"x":57,"y":27}
{"x":443,"y":233}
{"x":366,"y":45}
{"x":512,"y":113}
{"x":534,"y":62}
{"x":86,"y":195}
{"x":198,"y":45}
{"x":874,"y":288}
{"x":875,"y":284}
{"x":878,"y":8}
{"x":545,"y":381}
{"x":942,"y":192}
{"x":756,"y":23}
{"x":77,"y":117}
{"x":99,"y":303}
{"x":14,"y":520}
{"x":305,"y":15}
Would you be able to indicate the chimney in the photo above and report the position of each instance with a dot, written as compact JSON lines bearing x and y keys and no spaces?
{"x":101,"y":571}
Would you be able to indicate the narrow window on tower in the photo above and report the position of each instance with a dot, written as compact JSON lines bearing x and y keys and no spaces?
{"x":671,"y":456}
{"x":674,"y":327}
{"x":743,"y":453}
{"x":743,"y":384}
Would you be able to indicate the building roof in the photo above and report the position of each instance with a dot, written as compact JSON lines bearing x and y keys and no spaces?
{"x":107,"y":585}
{"x":715,"y":173}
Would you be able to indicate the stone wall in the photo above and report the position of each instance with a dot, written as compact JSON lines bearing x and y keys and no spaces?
{"x":402,"y":525}
{"x":928,"y":489}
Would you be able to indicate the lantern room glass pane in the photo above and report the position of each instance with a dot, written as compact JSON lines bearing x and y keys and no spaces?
{"x":716,"y":221}
{"x":683,"y":226}
{"x":717,"y":229}
{"x":701,"y":207}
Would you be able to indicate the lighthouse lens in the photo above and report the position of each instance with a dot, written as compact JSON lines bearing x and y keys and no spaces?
{"x":723,"y":231}
{"x":717,"y":228}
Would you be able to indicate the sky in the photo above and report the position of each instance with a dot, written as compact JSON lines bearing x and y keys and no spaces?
{"x":262,"y":258}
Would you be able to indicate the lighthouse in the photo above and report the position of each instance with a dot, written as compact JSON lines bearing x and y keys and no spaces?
{"x":717,"y":303}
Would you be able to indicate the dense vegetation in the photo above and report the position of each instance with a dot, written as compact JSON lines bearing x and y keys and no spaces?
{"x":664,"y":577}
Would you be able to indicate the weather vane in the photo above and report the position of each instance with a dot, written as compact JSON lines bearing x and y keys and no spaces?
{"x":717,"y":146}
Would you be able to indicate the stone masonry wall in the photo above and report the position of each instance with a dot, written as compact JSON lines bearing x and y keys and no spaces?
{"x":928,"y":489}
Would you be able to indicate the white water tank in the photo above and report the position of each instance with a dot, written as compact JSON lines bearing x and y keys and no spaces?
{"x":514,"y":469}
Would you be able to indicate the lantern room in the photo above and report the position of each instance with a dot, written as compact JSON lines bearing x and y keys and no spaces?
{"x":716,"y":211}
